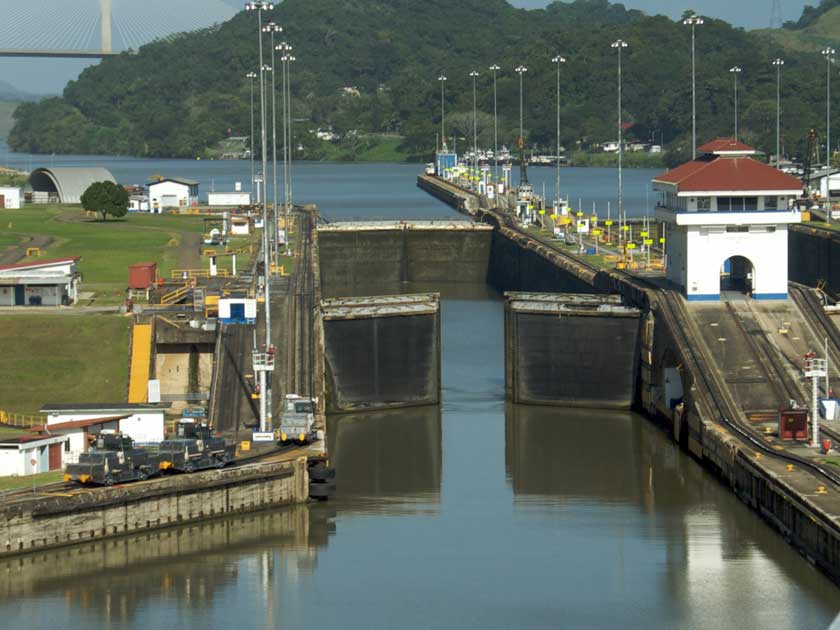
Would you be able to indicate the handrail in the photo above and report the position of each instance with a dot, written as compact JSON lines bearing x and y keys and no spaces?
{"x":21,"y":420}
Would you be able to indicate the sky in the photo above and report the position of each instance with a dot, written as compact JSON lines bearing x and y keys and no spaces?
{"x":45,"y":22}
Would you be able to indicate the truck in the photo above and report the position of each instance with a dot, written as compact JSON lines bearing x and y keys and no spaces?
{"x":194,"y":447}
{"x":114,"y":459}
{"x":296,"y":420}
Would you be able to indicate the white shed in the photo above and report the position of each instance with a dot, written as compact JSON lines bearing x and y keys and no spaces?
{"x":143,"y":422}
{"x":9,"y":197}
{"x":48,"y":282}
{"x":30,"y":454}
{"x":173,"y":192}
{"x":240,"y":226}
{"x":79,"y":433}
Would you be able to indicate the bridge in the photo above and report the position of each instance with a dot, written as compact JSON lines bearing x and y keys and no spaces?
{"x":73,"y":34}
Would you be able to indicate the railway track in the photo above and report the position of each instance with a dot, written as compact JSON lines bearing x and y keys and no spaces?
{"x":302,"y":313}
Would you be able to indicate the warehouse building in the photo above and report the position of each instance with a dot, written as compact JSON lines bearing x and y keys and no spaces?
{"x":31,"y":454}
{"x":9,"y":197}
{"x":143,"y":422}
{"x":64,"y":184}
{"x":173,"y":192}
{"x":52,"y":282}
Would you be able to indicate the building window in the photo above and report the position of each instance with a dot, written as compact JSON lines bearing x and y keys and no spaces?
{"x":737,"y":228}
{"x":704,"y":203}
{"x":771,"y":203}
{"x":750,"y":204}
{"x":737,"y":204}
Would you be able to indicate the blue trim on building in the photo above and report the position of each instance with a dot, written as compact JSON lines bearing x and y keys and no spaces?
{"x":704,"y":297}
{"x":770,"y":296}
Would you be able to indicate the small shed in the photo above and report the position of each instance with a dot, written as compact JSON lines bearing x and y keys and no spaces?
{"x":237,"y":310}
{"x":142,"y":275}
{"x":31,"y":454}
{"x":9,"y":197}
{"x":143,"y":422}
{"x":240,"y":226}
{"x":138,"y":203}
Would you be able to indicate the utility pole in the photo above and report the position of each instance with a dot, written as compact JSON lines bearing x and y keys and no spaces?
{"x":251,"y":76}
{"x":694,"y":21}
{"x":736,"y":70}
{"x":619,"y":45}
{"x":474,"y":75}
{"x":494,"y":69}
{"x":558,"y":60}
{"x":778,"y":63}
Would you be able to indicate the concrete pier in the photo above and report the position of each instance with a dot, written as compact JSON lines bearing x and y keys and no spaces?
{"x":570,"y":350}
{"x":381,"y":352}
{"x":62,"y":519}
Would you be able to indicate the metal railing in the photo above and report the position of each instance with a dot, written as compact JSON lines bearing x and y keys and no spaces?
{"x":189,"y":274}
{"x":21,"y":420}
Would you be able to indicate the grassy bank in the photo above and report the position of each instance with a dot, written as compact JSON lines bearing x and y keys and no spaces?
{"x":108,"y":247}
{"x":63,"y":358}
{"x":22,"y":483}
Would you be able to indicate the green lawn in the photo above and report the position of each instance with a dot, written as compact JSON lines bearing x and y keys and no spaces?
{"x":63,"y":358}
{"x":108,"y":247}
{"x":17,"y":483}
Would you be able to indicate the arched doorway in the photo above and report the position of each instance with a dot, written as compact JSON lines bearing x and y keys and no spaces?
{"x":737,"y":278}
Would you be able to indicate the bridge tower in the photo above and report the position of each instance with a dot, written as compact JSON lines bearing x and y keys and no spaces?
{"x":106,"y":24}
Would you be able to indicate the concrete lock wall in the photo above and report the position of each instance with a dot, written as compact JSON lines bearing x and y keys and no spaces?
{"x":571,"y":359}
{"x":106,"y":512}
{"x":814,"y":255}
{"x":382,"y":362}
{"x":358,"y":261}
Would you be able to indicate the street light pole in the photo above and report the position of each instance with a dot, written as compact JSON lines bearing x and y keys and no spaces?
{"x":283,"y":48}
{"x":290,"y":59}
{"x":251,"y":76}
{"x":442,"y":80}
{"x":474,"y":75}
{"x":273,"y":28}
{"x":778,"y":63}
{"x":828,"y":53}
{"x":694,"y":21}
{"x":521,"y":70}
{"x":736,"y":70}
{"x":619,"y":45}
{"x":558,"y":61}
{"x":494,"y":69}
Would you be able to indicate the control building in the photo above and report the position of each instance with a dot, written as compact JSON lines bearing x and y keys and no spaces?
{"x":726,"y":221}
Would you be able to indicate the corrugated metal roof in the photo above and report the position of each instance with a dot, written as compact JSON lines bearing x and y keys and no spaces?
{"x":177,"y":180}
{"x":69,"y":182}
{"x":76,"y":424}
{"x":103,"y":406}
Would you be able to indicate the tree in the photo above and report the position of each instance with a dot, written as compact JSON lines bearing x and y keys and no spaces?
{"x":106,"y":198}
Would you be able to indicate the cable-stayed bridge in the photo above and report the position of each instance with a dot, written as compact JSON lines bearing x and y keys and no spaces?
{"x":90,"y":29}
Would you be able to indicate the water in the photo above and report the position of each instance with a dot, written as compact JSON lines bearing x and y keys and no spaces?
{"x":475,"y":515}
{"x":349,"y":191}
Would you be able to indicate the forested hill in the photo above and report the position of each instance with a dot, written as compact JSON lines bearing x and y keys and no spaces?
{"x":180,"y":96}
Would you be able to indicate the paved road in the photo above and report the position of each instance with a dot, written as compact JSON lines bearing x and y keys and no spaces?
{"x":15,"y":253}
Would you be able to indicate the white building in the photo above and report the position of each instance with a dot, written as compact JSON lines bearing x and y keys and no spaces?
{"x":727,"y":218}
{"x":240,"y":226}
{"x":53,"y":282}
{"x":173,"y":192}
{"x":138,"y":203}
{"x":79,"y":433}
{"x":143,"y":422}
{"x":9,"y":197}
{"x":230,"y":199}
{"x":826,"y":183}
{"x":30,"y":454}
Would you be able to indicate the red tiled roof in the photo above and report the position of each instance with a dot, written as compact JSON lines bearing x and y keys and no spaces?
{"x":724,"y":144}
{"x":41,"y":263}
{"x":76,"y":424}
{"x":728,"y":174}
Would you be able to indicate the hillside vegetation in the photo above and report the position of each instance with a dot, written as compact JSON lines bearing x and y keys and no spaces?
{"x":179,"y":97}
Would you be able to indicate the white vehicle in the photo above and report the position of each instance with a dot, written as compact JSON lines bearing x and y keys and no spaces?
{"x":297,"y":420}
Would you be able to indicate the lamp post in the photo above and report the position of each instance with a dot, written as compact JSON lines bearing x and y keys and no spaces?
{"x":523,"y":179}
{"x":494,"y":69}
{"x":736,"y":70}
{"x":620,"y":45}
{"x":442,"y":80}
{"x":251,"y":76}
{"x":290,"y":59}
{"x":284,"y":49}
{"x":273,"y":28}
{"x":259,"y":7}
{"x":558,"y":61}
{"x":778,"y":63}
{"x":694,"y":21}
{"x":828,"y":53}
{"x":474,"y":76}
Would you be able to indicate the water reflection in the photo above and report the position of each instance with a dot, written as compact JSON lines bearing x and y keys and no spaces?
{"x":387,"y":454}
{"x":189,"y":566}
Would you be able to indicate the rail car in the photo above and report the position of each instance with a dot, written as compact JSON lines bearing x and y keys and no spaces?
{"x":194,"y":448}
{"x":114,"y":459}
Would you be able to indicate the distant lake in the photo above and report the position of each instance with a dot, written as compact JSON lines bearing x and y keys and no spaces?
{"x":345,"y":191}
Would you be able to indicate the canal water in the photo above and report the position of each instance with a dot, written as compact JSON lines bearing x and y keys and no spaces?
{"x":476,"y":514}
